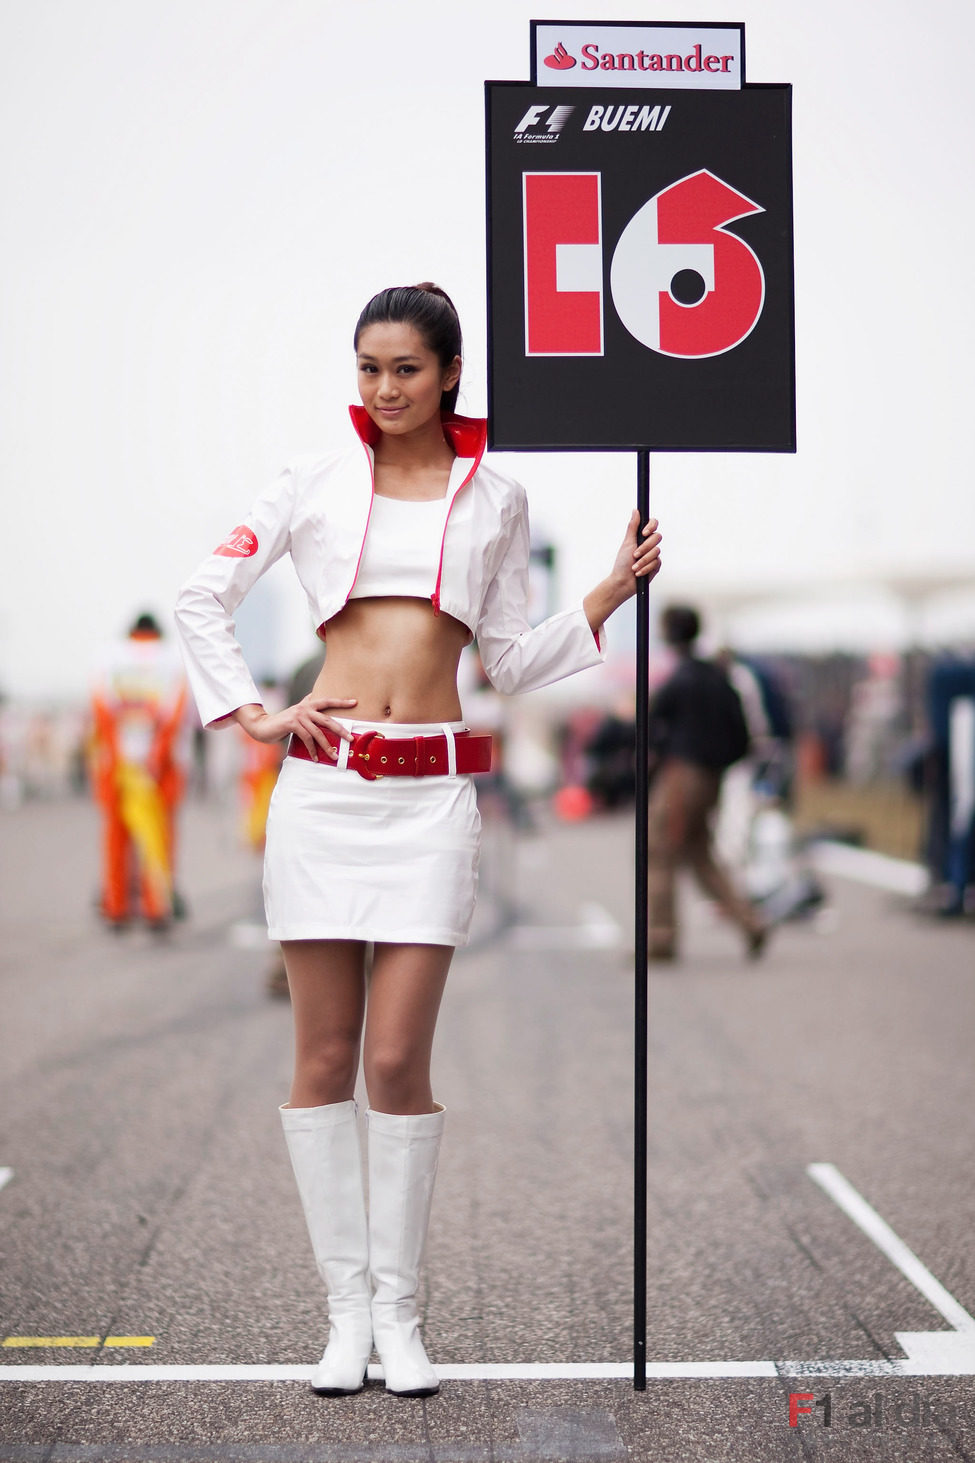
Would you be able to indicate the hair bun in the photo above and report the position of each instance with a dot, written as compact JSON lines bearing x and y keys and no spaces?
{"x":429,"y":288}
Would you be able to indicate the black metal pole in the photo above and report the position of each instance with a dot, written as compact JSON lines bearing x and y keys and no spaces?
{"x":641,"y":952}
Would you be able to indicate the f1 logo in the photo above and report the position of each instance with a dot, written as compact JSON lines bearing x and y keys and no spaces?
{"x":681,"y":284}
{"x":799,"y":1403}
{"x":799,"y":1407}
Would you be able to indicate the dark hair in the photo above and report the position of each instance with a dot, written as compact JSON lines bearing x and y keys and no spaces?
{"x":430,"y":310}
{"x":145,"y":624}
{"x":681,"y":624}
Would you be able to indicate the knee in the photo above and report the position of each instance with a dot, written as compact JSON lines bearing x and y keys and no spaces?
{"x":396,"y":1079}
{"x":326,"y":1071}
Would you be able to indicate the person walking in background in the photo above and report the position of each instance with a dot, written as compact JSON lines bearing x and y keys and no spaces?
{"x":697,"y":730}
{"x":740,"y":798}
{"x":950,"y":830}
{"x":408,"y":544}
{"x":610,"y":752}
{"x":138,"y":710}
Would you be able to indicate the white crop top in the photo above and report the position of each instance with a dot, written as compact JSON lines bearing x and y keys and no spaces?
{"x":401,"y":554}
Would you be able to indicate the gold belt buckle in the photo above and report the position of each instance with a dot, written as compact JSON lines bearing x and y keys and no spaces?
{"x":360,"y":750}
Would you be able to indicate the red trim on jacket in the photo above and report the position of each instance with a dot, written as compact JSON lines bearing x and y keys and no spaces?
{"x":466,"y":435}
{"x":468,"y":438}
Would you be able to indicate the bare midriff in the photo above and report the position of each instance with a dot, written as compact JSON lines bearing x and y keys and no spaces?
{"x":397,"y":657}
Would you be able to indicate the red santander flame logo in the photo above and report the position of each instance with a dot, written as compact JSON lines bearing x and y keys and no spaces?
{"x":560,"y":60}
{"x":241,"y":543}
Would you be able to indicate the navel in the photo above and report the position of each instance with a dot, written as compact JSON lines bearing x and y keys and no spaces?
{"x":387,"y":711}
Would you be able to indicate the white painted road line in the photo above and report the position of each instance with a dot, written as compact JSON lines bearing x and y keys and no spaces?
{"x":960,"y":1366}
{"x":897,"y":876}
{"x":661,"y":1371}
{"x":494,"y":1372}
{"x":929,"y":1353}
{"x":842,"y":1192}
{"x":6,"y":1174}
{"x":554,"y":1371}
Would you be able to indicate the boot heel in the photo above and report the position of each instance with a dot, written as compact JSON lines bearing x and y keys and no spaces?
{"x":341,"y":1391}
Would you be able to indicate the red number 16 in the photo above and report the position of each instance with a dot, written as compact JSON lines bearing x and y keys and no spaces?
{"x":681,"y":284}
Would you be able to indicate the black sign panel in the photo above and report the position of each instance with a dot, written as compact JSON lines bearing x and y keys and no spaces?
{"x":640,"y":269}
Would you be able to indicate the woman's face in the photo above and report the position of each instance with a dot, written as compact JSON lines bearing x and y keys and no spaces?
{"x":401,"y":378}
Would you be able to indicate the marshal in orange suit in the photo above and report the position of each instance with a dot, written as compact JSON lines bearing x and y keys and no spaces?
{"x":138,"y":718}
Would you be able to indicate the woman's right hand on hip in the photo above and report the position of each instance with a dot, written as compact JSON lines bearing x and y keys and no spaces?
{"x":307,"y":720}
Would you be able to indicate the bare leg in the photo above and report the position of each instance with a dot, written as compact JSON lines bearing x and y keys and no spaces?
{"x":328,"y":995}
{"x":405,"y":991}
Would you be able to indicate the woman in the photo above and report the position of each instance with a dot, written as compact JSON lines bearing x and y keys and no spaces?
{"x":408,"y":544}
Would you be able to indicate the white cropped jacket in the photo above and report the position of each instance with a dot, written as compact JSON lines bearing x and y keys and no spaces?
{"x":318,"y":511}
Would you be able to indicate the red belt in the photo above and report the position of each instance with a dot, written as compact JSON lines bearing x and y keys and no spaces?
{"x":373,"y":755}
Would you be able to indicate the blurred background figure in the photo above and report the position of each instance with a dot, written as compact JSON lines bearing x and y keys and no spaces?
{"x":775,"y":768}
{"x":874,"y":720}
{"x":950,"y":832}
{"x":697,"y":731}
{"x":739,"y":800}
{"x":515,"y":759}
{"x":754,"y":830}
{"x":611,"y":756}
{"x":259,"y":766}
{"x":138,"y":709}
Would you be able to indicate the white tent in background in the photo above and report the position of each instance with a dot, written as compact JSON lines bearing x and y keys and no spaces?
{"x":893,"y":612}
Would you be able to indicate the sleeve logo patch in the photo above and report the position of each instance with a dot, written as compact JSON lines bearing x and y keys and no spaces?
{"x":240,"y":543}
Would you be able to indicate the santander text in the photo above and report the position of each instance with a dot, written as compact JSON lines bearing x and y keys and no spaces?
{"x":593,"y":60}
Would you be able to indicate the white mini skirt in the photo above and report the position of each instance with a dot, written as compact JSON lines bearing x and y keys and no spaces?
{"x":393,"y":860}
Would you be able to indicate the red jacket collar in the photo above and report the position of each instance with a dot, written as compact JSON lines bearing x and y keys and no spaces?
{"x":466,"y":435}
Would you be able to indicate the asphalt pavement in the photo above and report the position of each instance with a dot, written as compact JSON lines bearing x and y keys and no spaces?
{"x":810,"y":1197}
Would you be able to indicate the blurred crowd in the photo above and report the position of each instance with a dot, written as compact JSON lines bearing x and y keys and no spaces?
{"x":839,"y":746}
{"x":890,"y":726}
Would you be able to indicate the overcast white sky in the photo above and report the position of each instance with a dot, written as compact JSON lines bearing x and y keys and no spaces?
{"x":198,"y":196}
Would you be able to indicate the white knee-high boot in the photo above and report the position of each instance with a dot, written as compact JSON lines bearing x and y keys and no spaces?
{"x":403,"y":1153}
{"x":324,"y":1146}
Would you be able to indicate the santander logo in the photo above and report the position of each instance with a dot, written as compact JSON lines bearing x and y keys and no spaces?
{"x":560,"y":60}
